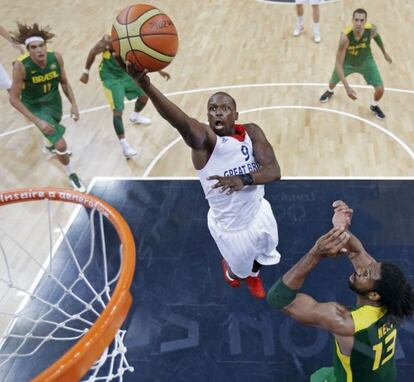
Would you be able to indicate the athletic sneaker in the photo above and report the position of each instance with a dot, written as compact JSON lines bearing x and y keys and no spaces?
{"x":139,"y":119}
{"x":255,"y":286}
{"x":325,"y":96}
{"x":129,"y":152}
{"x":377,"y":111}
{"x":235,"y":283}
{"x":298,"y":30}
{"x":50,"y":150}
{"x":76,"y":183}
{"x":317,"y":38}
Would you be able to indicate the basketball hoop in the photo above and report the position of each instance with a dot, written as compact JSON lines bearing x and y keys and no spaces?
{"x":102,"y":316}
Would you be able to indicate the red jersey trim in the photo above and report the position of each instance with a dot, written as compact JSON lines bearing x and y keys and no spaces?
{"x":240,"y":133}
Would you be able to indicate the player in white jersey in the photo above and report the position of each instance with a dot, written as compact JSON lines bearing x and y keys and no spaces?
{"x":233,"y":162}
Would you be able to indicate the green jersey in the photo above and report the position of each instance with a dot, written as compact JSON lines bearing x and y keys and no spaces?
{"x":41,"y":85}
{"x":358,"y":51}
{"x":109,"y":68}
{"x":372,"y":356}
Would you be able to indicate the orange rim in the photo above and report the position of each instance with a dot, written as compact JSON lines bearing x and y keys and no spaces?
{"x":76,"y":362}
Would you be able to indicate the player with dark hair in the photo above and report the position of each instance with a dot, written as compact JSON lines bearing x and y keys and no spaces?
{"x":365,"y":336}
{"x":354,"y":56}
{"x":117,"y":85}
{"x":233,"y":162}
{"x":35,"y":91}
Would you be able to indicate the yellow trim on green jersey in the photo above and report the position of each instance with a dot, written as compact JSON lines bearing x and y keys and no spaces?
{"x":347,"y":29}
{"x":109,"y":97}
{"x":23,"y":56}
{"x":345,"y":361}
{"x":366,"y":315}
{"x":350,"y":28}
{"x":106,"y":55}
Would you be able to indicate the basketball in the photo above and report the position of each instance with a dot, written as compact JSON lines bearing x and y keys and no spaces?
{"x":145,"y":36}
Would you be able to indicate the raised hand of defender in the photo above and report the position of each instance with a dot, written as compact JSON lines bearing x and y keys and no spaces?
{"x":332,"y":243}
{"x":342,"y":214}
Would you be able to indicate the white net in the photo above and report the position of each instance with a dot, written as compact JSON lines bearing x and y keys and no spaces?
{"x":48,"y":304}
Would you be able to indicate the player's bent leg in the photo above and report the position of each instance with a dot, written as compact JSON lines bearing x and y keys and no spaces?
{"x":63,"y":157}
{"x":127,"y":150}
{"x":316,"y":25}
{"x":374,"y":107}
{"x":136,"y":116}
{"x":299,"y":22}
{"x":61,"y":151}
{"x":379,"y":92}
{"x":330,"y":91}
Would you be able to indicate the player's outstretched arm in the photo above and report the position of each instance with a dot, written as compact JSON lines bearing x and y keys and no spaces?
{"x":102,"y":45}
{"x":377,"y":38}
{"x":67,"y":89}
{"x":195,"y":134}
{"x":357,"y":254}
{"x":284,"y":293}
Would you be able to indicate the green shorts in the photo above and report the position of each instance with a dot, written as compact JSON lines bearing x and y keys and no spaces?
{"x":368,"y":70}
{"x":117,"y":89}
{"x":53,"y":115}
{"x":324,"y":374}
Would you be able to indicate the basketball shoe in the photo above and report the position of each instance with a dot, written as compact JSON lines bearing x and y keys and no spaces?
{"x":129,"y":152}
{"x":235,"y":283}
{"x":298,"y":30}
{"x":76,"y":183}
{"x":255,"y":286}
{"x":138,"y":119}
{"x":377,"y":111}
{"x":325,"y":96}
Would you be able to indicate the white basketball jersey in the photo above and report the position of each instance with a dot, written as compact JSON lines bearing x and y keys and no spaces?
{"x":231,"y":157}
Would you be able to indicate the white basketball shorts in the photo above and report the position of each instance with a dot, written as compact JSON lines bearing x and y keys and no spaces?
{"x":257,"y":241}
{"x":5,"y":81}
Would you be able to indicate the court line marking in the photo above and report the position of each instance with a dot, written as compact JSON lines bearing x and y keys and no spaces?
{"x":378,"y":127}
{"x":215,"y":88}
{"x":292,"y":2}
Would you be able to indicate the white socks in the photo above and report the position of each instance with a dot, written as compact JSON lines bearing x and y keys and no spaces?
{"x":68,"y":169}
{"x":124,"y":143}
